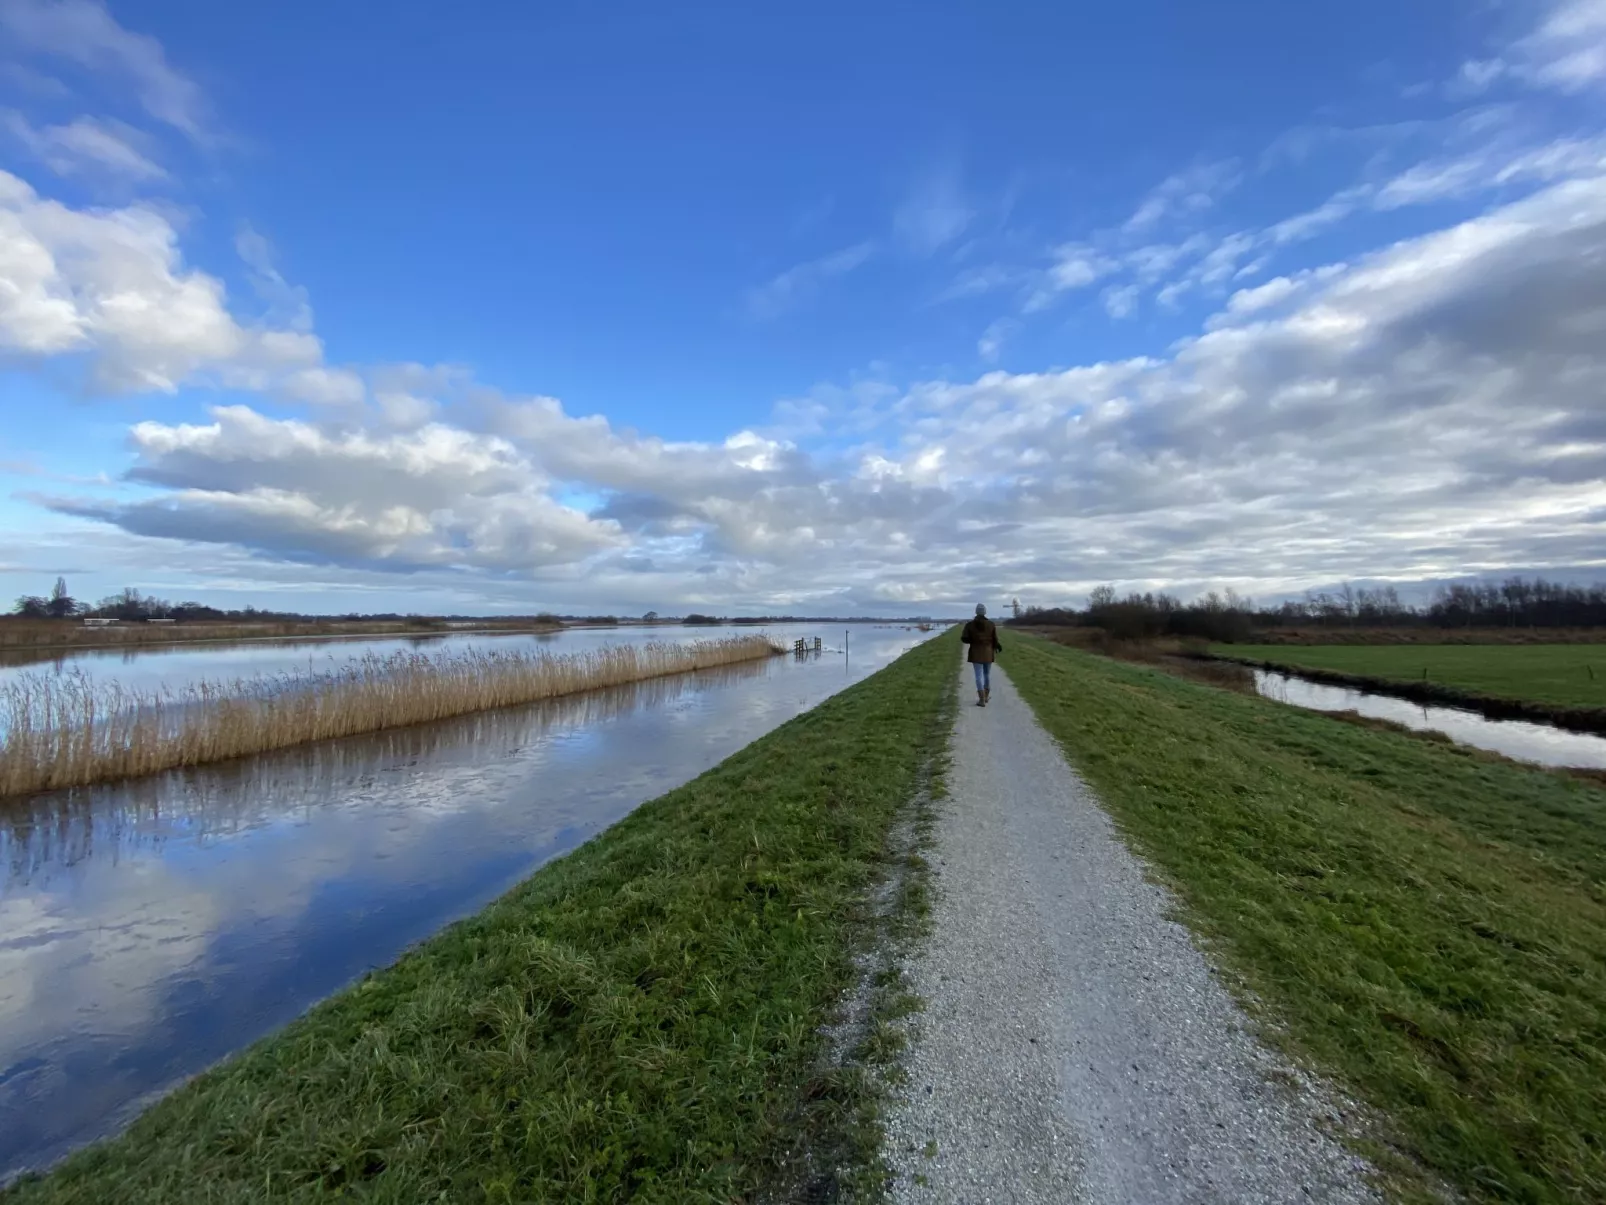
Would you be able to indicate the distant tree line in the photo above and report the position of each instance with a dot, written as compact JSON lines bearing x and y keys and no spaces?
{"x":60,"y":604}
{"x":1227,"y":616}
{"x":1216,"y":616}
{"x":697,"y":619}
{"x":132,"y":606}
{"x":1516,"y":602}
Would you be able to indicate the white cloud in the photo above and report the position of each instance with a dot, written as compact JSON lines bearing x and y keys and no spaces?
{"x":436,"y":497}
{"x":83,"y":32}
{"x":1075,"y":266}
{"x":992,"y":339}
{"x":1426,"y":182}
{"x":405,"y":410}
{"x":1206,"y":268}
{"x":33,"y":81}
{"x":1428,"y":408}
{"x":1313,"y":221}
{"x":975,"y":282}
{"x":1476,"y":76}
{"x":1222,"y":263}
{"x":1568,"y":49}
{"x":1186,"y":192}
{"x":1444,"y":178}
{"x":1223,"y":260}
{"x":112,"y":285}
{"x":797,"y":284}
{"x":89,"y":145}
{"x":1078,"y":267}
{"x":935,"y":213}
{"x":1273,"y":293}
{"x":1171,"y":295}
{"x":1565,"y":52}
{"x":37,"y":313}
{"x":1149,"y":263}
{"x":1121,"y":301}
{"x":288,"y":305}
{"x":1432,"y":407}
{"x":1201,"y":262}
{"x":326,"y":386}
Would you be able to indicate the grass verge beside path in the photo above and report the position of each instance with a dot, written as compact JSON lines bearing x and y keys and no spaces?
{"x":1425,"y":926}
{"x":639,"y":1019}
{"x":1561,"y":675}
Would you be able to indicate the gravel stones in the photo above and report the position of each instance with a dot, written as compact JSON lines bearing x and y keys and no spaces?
{"x":1075,"y":1046}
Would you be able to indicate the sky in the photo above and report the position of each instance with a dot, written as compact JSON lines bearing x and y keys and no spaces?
{"x":878,"y":309}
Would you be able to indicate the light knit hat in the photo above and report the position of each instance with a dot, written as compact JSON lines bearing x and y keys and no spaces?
{"x":981,"y":608}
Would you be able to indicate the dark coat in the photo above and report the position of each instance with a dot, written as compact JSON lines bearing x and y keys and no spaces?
{"x":981,"y":634}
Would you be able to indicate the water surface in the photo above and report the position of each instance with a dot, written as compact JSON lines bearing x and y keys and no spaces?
{"x":177,"y":665}
{"x":1524,"y":740}
{"x":151,"y":928}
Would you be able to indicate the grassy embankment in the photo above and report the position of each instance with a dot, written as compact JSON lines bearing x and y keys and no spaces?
{"x":71,"y":730}
{"x":638,"y":1019}
{"x":1170,"y":653}
{"x":1423,"y":924}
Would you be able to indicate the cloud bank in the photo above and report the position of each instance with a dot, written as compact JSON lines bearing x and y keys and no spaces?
{"x":1432,"y":407}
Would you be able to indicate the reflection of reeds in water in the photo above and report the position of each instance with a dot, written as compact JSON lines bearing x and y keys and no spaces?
{"x":71,"y":730}
{"x":55,"y":830}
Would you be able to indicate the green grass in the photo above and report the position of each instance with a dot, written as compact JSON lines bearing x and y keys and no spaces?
{"x":638,"y":1020}
{"x":1425,"y":925}
{"x":1557,"y":674}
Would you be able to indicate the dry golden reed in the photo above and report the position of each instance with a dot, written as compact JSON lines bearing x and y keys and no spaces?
{"x":71,"y":730}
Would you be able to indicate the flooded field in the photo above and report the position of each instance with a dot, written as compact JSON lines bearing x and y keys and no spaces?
{"x":1524,"y":740}
{"x":180,"y":664}
{"x":150,"y":928}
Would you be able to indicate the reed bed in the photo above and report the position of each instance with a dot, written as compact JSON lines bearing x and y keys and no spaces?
{"x":59,"y":828}
{"x":71,"y":730}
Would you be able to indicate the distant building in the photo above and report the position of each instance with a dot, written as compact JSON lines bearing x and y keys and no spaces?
{"x":99,"y":623}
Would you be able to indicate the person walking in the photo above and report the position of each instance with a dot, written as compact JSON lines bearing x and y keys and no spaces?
{"x":981,"y":634}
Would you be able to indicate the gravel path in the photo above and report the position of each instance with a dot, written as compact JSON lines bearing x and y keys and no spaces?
{"x":1075,"y":1046}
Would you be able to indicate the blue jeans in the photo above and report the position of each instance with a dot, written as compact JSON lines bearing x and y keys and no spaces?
{"x":984,"y":677}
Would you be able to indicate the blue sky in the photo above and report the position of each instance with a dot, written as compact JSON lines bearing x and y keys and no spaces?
{"x":405,"y":307}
